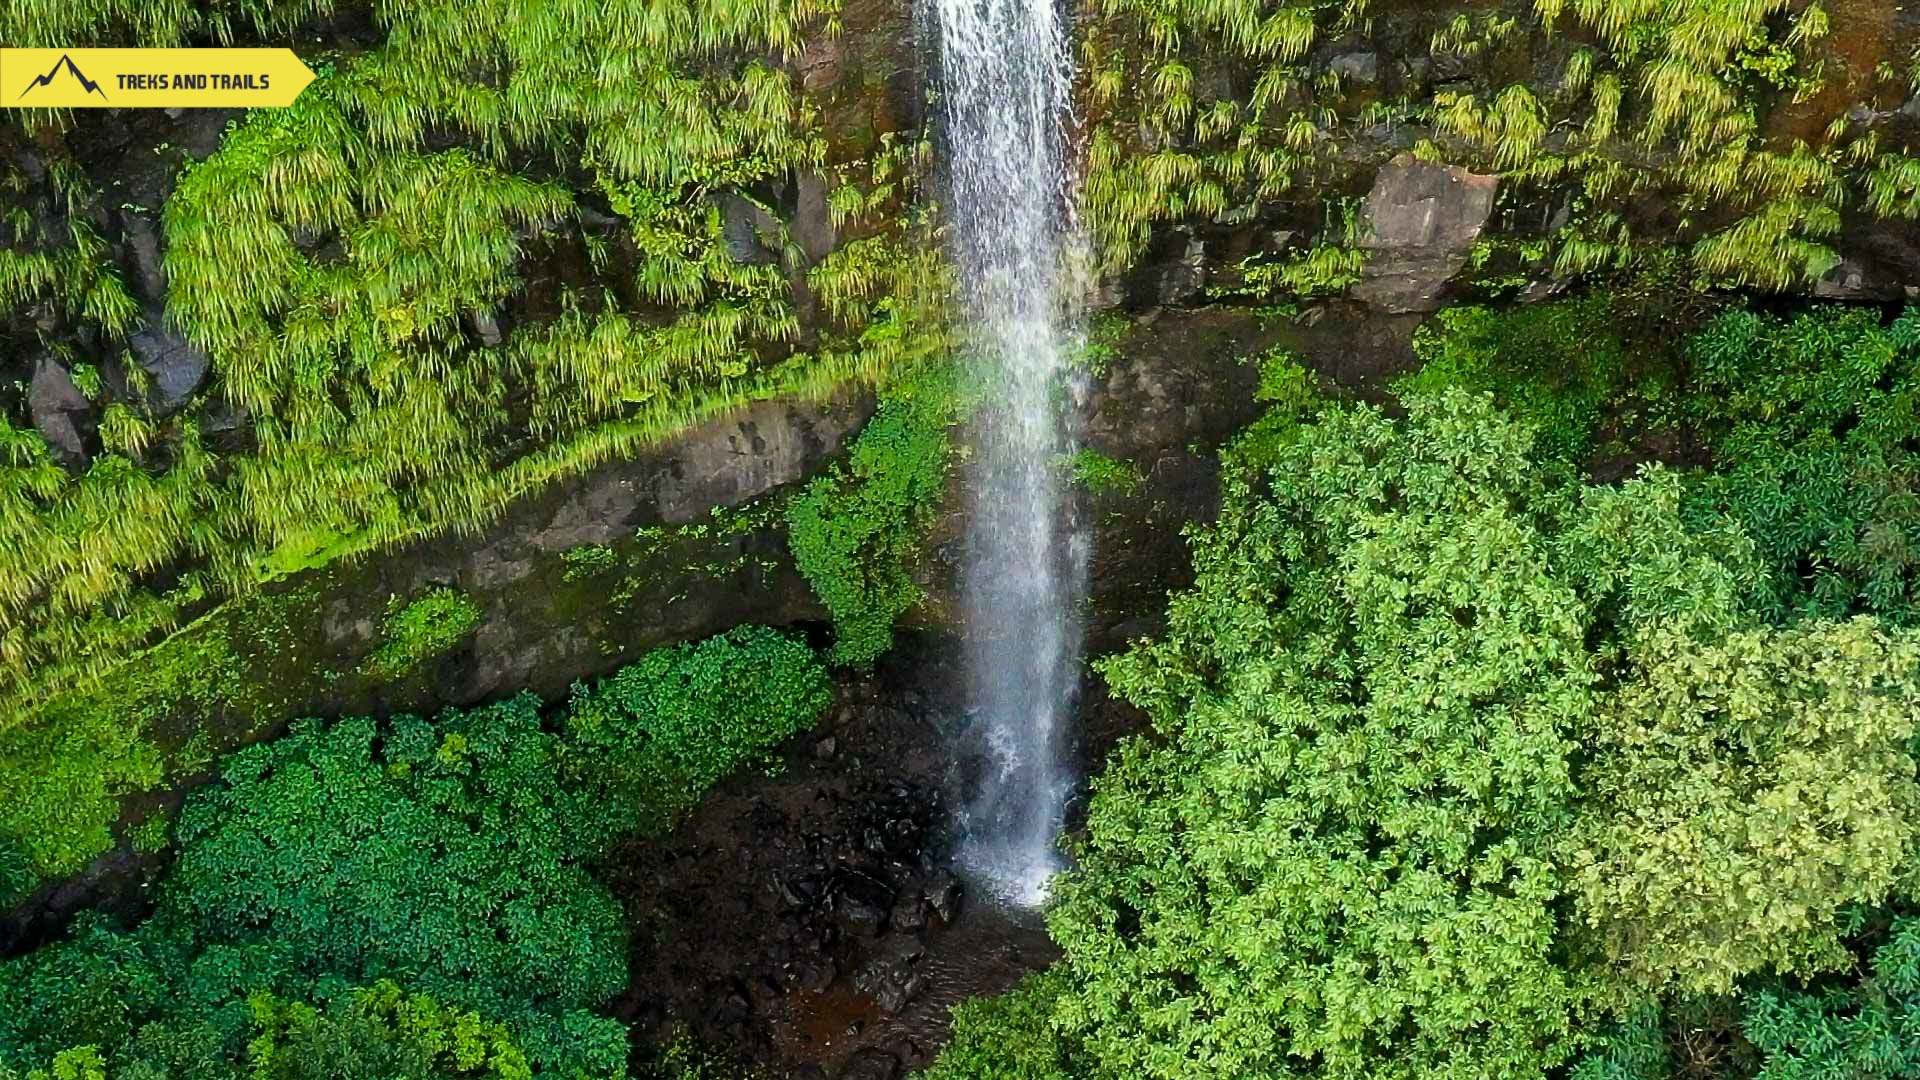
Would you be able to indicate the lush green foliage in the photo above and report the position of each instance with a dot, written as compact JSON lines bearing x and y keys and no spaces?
{"x":420,"y":629}
{"x":1555,"y":365}
{"x":1815,"y":427}
{"x":1812,"y":423}
{"x":57,"y":23}
{"x":856,"y":530}
{"x":64,"y":774}
{"x":1105,"y":476}
{"x":1733,"y":112}
{"x":1747,"y":793}
{"x":1869,"y":1031}
{"x":1339,"y":858}
{"x":358,"y":268}
{"x":1010,"y":1037}
{"x":379,"y":1031}
{"x":446,"y":856}
{"x":1460,"y":767}
{"x":666,"y":728}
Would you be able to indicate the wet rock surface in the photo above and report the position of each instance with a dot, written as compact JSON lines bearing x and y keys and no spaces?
{"x":174,"y":368}
{"x":812,"y":922}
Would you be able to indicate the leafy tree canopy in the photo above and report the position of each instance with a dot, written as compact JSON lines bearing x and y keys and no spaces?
{"x":446,"y":856}
{"x":1457,"y":761}
{"x":1744,"y":793}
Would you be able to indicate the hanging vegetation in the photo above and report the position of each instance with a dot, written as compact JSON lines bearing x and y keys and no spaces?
{"x":356,"y":267}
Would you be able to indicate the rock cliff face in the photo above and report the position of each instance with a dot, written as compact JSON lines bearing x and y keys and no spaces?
{"x":568,"y":585}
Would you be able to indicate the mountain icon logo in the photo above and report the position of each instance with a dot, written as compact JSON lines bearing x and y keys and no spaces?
{"x":66,"y":62}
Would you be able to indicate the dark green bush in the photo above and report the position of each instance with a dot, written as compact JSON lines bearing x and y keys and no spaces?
{"x":666,"y":728}
{"x":1557,"y":366}
{"x":446,"y":856}
{"x":1869,"y":1030}
{"x":16,"y":871}
{"x":421,"y":629}
{"x":1814,"y":423}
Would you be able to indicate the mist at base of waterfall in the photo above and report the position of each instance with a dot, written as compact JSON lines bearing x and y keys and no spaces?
{"x":1004,"y":75}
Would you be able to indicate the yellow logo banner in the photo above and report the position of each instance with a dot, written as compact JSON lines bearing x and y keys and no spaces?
{"x":150,"y":78}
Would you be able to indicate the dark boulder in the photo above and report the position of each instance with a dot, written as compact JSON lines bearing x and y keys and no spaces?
{"x":486,"y":329}
{"x":864,"y":902}
{"x":1420,"y":222}
{"x":60,"y":412}
{"x":943,"y":896}
{"x":148,"y":276}
{"x":750,"y":233}
{"x":813,"y":227}
{"x":175,"y":369}
{"x":871,"y":1064}
{"x":1356,"y":68}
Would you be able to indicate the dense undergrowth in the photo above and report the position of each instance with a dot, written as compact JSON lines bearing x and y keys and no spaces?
{"x":1465,"y":765}
{"x":409,"y":896}
{"x":856,"y":531}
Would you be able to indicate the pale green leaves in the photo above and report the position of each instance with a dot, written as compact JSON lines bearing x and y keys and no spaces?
{"x":1745,"y":791}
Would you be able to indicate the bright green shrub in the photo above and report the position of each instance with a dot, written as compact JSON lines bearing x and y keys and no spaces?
{"x":1814,"y":424}
{"x":855,"y":531}
{"x":588,"y":561}
{"x":63,"y":784}
{"x":421,"y":629}
{"x":379,"y":1031}
{"x":152,"y":834}
{"x":1105,"y":476}
{"x":1397,"y":752}
{"x":1010,"y":1036}
{"x":1745,"y":793}
{"x":1338,"y":858}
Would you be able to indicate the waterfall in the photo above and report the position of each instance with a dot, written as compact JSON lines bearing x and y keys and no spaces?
{"x":1005,"y":83}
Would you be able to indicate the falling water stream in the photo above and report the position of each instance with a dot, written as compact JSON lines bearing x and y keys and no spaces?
{"x":1005,"y":80}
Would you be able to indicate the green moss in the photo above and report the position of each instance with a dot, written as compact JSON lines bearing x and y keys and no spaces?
{"x":66,"y":770}
{"x":1105,"y":476}
{"x":418,"y":630}
{"x":587,"y":561}
{"x":1100,"y":349}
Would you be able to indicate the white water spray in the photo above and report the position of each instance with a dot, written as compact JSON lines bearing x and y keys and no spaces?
{"x":1005,"y":85}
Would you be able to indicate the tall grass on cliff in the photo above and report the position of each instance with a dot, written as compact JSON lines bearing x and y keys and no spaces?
{"x":345,"y":262}
{"x":1735,"y":112}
